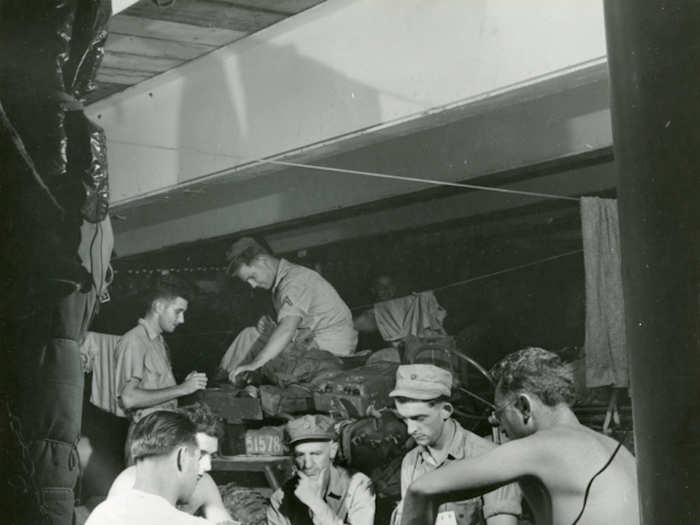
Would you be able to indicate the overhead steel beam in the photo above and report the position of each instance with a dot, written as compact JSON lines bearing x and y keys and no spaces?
{"x":335,"y":71}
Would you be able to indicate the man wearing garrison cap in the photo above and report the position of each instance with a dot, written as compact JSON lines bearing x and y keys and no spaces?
{"x":308,"y":308}
{"x":320,"y":493}
{"x":422,"y":397}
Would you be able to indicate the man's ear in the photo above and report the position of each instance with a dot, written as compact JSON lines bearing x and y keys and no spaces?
{"x":446,"y":411}
{"x":180,"y":458}
{"x":524,"y":405}
{"x":158,"y":305}
{"x":334,"y":449}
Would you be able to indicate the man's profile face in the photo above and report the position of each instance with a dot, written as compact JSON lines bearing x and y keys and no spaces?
{"x":171,"y":313}
{"x":257,"y":274}
{"x":314,"y":458}
{"x":208,"y":449}
{"x":195,"y":462}
{"x":188,"y":466}
{"x":508,"y":416}
{"x":425,"y":422}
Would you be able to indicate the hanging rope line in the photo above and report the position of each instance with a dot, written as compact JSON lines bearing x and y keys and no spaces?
{"x":402,"y":178}
{"x":488,"y":275}
{"x":331,"y":169}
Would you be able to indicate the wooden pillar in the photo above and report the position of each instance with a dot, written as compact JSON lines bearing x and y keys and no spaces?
{"x":654,"y":61}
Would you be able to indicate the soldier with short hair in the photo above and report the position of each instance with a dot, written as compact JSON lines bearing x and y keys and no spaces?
{"x":169,"y":463}
{"x":422,"y":397}
{"x":309,"y":311}
{"x":320,"y":493}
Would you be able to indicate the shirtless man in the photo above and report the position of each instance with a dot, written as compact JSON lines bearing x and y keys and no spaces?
{"x":569,"y":473}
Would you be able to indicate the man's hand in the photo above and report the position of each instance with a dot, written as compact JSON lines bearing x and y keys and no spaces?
{"x":265,"y":325}
{"x":276,"y":498}
{"x":239,"y":370}
{"x":309,"y":490}
{"x":194,"y":381}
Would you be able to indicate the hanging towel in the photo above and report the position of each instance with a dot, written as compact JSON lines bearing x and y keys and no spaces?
{"x":417,"y":314}
{"x":605,"y":352}
{"x":97,"y":353}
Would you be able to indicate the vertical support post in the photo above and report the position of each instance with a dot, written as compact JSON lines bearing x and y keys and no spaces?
{"x":653,"y":49}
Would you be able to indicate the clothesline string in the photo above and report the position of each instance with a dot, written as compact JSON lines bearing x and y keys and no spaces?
{"x":365,"y":173}
{"x":488,"y":275}
{"x":403,"y":178}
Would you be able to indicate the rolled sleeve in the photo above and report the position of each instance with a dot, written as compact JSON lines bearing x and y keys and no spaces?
{"x":130,"y":365}
{"x":294,"y":300}
{"x":504,"y":500}
{"x":361,"y":507}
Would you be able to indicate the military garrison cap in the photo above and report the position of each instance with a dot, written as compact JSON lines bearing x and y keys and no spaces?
{"x":310,"y":428}
{"x":422,"y":382}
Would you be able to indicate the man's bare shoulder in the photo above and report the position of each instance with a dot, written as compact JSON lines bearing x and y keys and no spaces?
{"x":553,"y":449}
{"x":580,"y":438}
{"x":573,"y":453}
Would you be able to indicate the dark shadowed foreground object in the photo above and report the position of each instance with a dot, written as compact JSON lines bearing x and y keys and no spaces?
{"x":655,"y":111}
{"x":54,"y":177}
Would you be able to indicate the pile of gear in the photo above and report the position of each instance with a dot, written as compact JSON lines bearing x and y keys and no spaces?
{"x":246,"y":505}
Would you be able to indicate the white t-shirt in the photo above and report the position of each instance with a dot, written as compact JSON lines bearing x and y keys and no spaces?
{"x":135,"y":507}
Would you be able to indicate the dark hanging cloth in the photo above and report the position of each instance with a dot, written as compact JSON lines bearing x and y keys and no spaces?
{"x":53,"y":177}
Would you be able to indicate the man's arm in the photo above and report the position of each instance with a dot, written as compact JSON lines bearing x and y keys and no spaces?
{"x":274,"y":514}
{"x":362,"y":501}
{"x":503,"y":505}
{"x":502,"y":519}
{"x":207,"y":497}
{"x":279,"y":339}
{"x":480,"y":474}
{"x":407,"y":470}
{"x":133,"y":396}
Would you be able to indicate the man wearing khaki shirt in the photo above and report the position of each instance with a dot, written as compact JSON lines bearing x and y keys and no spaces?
{"x":320,"y":493}
{"x":422,"y":397}
{"x":309,"y":311}
{"x":144,"y":376}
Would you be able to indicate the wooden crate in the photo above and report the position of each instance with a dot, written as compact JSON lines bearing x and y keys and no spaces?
{"x":224,"y":403}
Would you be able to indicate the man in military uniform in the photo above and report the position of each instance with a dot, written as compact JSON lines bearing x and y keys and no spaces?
{"x":309,"y":311}
{"x":422,"y":397}
{"x":320,"y":493}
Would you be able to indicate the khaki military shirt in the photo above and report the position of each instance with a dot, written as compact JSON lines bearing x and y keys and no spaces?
{"x":464,"y":444}
{"x":301,"y":292}
{"x":350,"y":498}
{"x":141,"y":354}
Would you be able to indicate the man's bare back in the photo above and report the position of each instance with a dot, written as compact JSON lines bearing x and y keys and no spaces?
{"x":557,"y":485}
{"x":551,"y":454}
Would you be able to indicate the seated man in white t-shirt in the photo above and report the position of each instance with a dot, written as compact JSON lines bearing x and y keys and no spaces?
{"x":206,"y":497}
{"x":168,"y":464}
